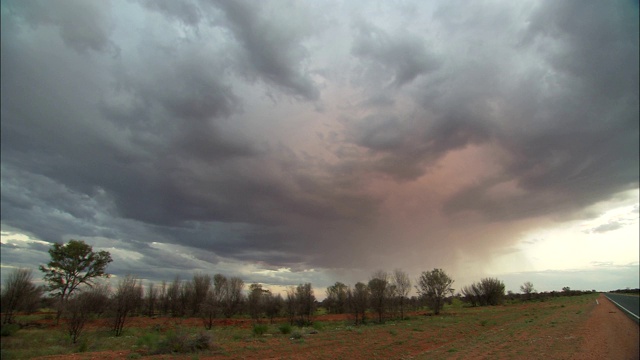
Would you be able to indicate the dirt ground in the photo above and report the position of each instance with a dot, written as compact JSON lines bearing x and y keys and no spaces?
{"x":601,"y":332}
{"x":609,"y":334}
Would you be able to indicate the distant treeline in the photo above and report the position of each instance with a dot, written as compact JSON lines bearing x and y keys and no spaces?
{"x":72,"y":291}
{"x":626,"y":291}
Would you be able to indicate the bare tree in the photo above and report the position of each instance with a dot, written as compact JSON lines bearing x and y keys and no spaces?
{"x":336,"y":300}
{"x":200,"y":285}
{"x":358,"y":300}
{"x":81,"y":307}
{"x":214,"y":302}
{"x":163,"y":298}
{"x":97,"y":298}
{"x":290,"y":304}
{"x":18,"y":293}
{"x":151,"y":299}
{"x":233,"y":296}
{"x":527,"y":289}
{"x":256,"y":301}
{"x":403,"y":286}
{"x":209,"y":309}
{"x":274,"y":305}
{"x":435,"y":286}
{"x":379,"y":293}
{"x":126,"y":299}
{"x":305,"y":300}
{"x":185,"y":297}
{"x":173,"y":296}
{"x":78,"y":312}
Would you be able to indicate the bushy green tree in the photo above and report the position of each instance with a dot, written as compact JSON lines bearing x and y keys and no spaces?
{"x":435,"y":286}
{"x":336,"y":300}
{"x":72,"y":265}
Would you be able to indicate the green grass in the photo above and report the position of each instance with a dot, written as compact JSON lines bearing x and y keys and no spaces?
{"x":260,"y":329}
{"x":457,"y":332}
{"x":285,"y":328}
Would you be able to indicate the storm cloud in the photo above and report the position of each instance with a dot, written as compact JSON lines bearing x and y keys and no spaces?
{"x":333,"y":136}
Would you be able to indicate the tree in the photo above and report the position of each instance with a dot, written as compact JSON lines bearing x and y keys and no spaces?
{"x":274,"y":305}
{"x":256,"y":301}
{"x":435,"y":286}
{"x":209,"y":309}
{"x":163,"y":298}
{"x":127,"y":298}
{"x":358,"y":300}
{"x":200,"y":284}
{"x":72,"y":265}
{"x":151,"y":300}
{"x":336,"y":300}
{"x":173,"y":296}
{"x":18,"y":293}
{"x":305,"y":303}
{"x":80,"y":307}
{"x":403,"y":286}
{"x":379,"y":293}
{"x":527,"y":289}
{"x":185,"y":297}
{"x":77,"y":313}
{"x":290,"y":304}
{"x":233,"y":296}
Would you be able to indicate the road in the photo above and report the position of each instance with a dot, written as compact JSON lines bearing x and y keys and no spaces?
{"x":630,"y":304}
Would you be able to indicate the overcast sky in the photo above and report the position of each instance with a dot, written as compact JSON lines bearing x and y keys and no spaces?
{"x":295,"y":141}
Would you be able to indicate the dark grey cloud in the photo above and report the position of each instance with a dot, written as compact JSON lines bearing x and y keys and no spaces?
{"x":187,"y":12}
{"x":272,"y":51}
{"x":404,"y":56}
{"x":577,"y":143}
{"x":188,"y":136}
{"x":82,"y":25}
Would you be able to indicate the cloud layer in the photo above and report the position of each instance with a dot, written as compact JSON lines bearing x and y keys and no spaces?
{"x":324,"y":135}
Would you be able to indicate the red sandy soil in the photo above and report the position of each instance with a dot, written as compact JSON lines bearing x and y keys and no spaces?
{"x":609,"y":334}
{"x":606,"y":333}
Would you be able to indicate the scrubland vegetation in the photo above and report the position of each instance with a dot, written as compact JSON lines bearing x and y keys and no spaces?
{"x":215,"y":315}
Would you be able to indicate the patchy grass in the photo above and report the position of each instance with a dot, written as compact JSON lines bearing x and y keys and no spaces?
{"x":509,"y":331}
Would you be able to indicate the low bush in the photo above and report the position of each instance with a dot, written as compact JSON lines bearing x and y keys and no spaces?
{"x":9,"y":329}
{"x":285,"y":329}
{"x":260,"y":329}
{"x":179,"y":342}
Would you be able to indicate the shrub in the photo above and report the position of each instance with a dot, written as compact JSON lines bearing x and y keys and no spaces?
{"x":9,"y":329}
{"x":149,"y":341}
{"x":202,"y":341}
{"x":179,"y":342}
{"x":488,"y":291}
{"x":297,"y":335}
{"x":260,"y":329}
{"x":285,"y":329}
